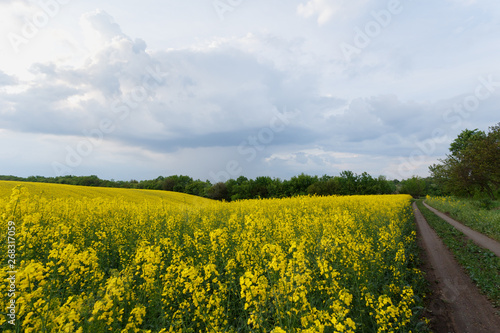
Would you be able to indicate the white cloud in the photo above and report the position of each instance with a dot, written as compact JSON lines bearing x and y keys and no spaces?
{"x":187,"y":109}
{"x":100,"y":30}
{"x":325,"y":10}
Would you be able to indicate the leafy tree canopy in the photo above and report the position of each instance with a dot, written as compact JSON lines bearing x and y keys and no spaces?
{"x":472,"y":167}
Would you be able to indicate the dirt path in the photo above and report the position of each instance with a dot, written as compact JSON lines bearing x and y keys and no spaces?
{"x":478,"y":238}
{"x":458,"y":300}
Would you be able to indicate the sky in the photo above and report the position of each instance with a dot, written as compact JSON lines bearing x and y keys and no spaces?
{"x":217,"y":89}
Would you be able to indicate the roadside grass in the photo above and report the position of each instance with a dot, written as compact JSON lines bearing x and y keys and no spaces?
{"x":480,"y":215}
{"x":482,"y":265}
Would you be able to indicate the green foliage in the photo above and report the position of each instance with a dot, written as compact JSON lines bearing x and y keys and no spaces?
{"x":485,"y":203}
{"x":218,"y":192}
{"x":298,"y":185}
{"x":347,"y":183}
{"x":465,"y":140}
{"x":414,"y":186}
{"x":472,"y":165}
{"x":198,"y":188}
{"x":176,"y":183}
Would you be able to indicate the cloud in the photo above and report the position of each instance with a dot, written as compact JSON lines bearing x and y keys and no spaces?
{"x":7,"y":80}
{"x":325,"y":10}
{"x":322,"y":8}
{"x":195,"y":108}
{"x":99,"y":29}
{"x":69,"y":99}
{"x":163,"y":101}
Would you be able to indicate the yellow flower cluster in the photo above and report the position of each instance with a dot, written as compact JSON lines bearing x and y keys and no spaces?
{"x":303,"y":264}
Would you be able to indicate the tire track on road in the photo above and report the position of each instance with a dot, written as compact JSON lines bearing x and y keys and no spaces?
{"x":468,"y":310}
{"x":477,"y":237}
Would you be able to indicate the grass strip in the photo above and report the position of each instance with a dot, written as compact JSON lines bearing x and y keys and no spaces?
{"x":482,"y":265}
{"x":471,"y":213}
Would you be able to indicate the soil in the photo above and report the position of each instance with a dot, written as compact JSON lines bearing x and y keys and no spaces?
{"x":478,"y":238}
{"x":455,"y":305}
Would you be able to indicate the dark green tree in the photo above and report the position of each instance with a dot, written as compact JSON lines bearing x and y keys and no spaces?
{"x":297,"y":185}
{"x":473,"y":164}
{"x":176,"y":183}
{"x":198,"y":188}
{"x":219,"y":192}
{"x":414,"y":186}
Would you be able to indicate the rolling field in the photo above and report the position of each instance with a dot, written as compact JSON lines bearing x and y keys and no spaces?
{"x":60,"y":191}
{"x":111,"y":260}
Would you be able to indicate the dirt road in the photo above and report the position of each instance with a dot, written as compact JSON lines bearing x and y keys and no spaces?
{"x":478,"y":238}
{"x":458,"y":306}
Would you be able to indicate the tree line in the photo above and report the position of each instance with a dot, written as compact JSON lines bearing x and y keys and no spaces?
{"x":471,"y":169}
{"x":346,"y":183}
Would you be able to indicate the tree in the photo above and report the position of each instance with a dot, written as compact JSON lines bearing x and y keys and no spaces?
{"x":318,"y":188}
{"x":238,"y":189}
{"x":275,"y":188}
{"x":366,"y":184}
{"x":464,"y":140}
{"x":168,"y":184}
{"x":198,"y":188}
{"x":89,"y":181}
{"x":327,"y":185}
{"x":349,"y":182}
{"x":385,"y":186}
{"x":298,"y":185}
{"x":472,"y":165}
{"x":176,"y":183}
{"x":414,"y":186}
{"x":260,"y":187}
{"x":482,"y":158}
{"x":218,"y":192}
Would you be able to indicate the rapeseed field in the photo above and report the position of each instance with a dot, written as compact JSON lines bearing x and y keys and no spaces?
{"x":108,"y":263}
{"x":58,"y":191}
